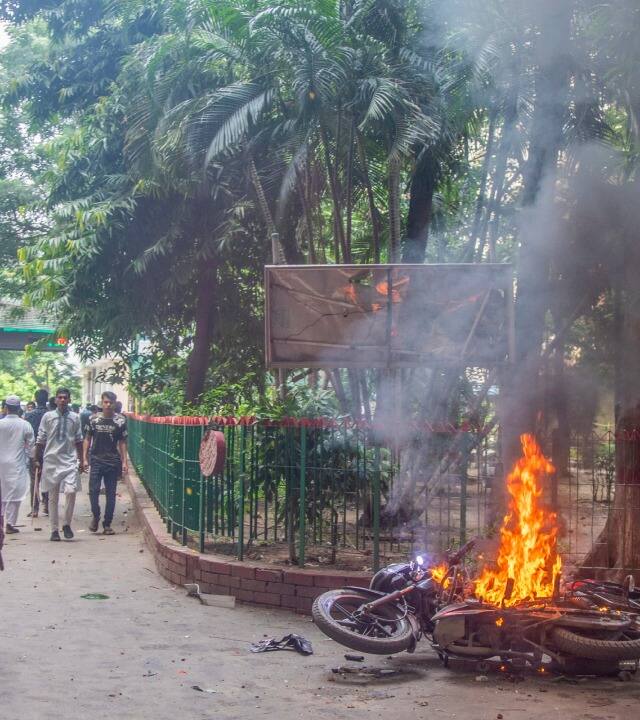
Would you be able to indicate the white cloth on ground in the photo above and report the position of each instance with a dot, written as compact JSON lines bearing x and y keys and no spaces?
{"x":59,"y":434}
{"x":16,"y":447}
{"x":10,"y":511}
{"x":69,"y":505}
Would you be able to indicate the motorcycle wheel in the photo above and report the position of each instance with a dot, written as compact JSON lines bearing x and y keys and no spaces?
{"x":336,"y":614}
{"x":595,"y":649}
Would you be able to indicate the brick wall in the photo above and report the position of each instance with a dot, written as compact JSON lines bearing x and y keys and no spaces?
{"x":249,"y":582}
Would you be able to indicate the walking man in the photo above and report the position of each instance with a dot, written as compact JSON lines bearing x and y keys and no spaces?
{"x":107,"y":440}
{"x":1,"y":528}
{"x":58,"y":452}
{"x":85,"y":416}
{"x":34,"y":418}
{"x":16,"y":448}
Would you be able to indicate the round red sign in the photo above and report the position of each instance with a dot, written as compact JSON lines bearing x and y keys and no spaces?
{"x":212,"y":453}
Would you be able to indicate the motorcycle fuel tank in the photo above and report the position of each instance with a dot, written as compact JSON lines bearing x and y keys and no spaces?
{"x":448,"y":630}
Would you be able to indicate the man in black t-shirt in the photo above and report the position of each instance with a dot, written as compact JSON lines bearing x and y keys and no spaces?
{"x":107,"y":440}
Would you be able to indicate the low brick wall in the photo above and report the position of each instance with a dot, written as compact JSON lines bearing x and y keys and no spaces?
{"x":255,"y":583}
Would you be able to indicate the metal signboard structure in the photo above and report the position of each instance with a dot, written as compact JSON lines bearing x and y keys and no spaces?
{"x":20,"y":327}
{"x":388,"y":316}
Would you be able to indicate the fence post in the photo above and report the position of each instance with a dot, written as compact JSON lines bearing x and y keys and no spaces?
{"x":302,"y":524}
{"x":201,"y":517}
{"x":164,"y":431}
{"x":467,"y":444}
{"x":183,"y":531}
{"x":375,"y":489}
{"x":241,"y":489}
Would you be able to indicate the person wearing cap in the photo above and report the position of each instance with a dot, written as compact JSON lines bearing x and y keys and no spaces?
{"x":59,"y":453}
{"x":16,"y":448}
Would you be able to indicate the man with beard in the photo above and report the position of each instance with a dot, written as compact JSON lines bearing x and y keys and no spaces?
{"x":59,"y":452}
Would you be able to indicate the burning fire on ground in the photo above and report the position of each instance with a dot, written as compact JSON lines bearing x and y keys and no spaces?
{"x":528,"y":564}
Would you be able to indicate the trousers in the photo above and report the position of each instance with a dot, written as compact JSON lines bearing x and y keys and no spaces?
{"x":10,"y":511}
{"x":69,"y":505}
{"x":35,"y":502}
{"x":108,"y":473}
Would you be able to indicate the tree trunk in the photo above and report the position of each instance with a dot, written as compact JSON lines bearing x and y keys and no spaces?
{"x":483,"y":208}
{"x":349,"y":189}
{"x":311,"y":255}
{"x":491,"y":224}
{"x":552,"y":82}
{"x":373,"y":210}
{"x":277,"y":251}
{"x":393,"y":180}
{"x":335,"y":196}
{"x":523,"y":395}
{"x":354,"y":391}
{"x":338,"y":388}
{"x":616,"y":553}
{"x":423,"y":186}
{"x":201,"y":352}
{"x":366,"y":399}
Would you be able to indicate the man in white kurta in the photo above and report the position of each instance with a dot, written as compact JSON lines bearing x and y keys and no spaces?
{"x":16,"y":448}
{"x":59,"y":451}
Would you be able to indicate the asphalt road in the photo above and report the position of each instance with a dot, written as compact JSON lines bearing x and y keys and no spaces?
{"x":140,"y":652}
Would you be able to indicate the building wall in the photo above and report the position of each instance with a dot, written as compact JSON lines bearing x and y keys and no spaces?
{"x":93,"y":386}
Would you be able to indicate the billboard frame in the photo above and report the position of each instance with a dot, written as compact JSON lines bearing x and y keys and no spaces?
{"x":507,"y":285}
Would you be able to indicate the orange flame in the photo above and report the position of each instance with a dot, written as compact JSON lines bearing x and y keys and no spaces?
{"x":383,"y":289}
{"x":527,"y":556}
{"x":350,"y":293}
{"x":439,"y":573}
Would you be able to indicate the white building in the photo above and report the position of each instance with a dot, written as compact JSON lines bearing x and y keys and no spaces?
{"x":94,"y":378}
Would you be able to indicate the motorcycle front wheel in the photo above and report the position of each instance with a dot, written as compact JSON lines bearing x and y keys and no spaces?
{"x":339,"y":615}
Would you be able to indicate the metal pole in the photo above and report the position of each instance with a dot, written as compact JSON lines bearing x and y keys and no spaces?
{"x":464,"y":477}
{"x":303,"y":496}
{"x":241,"y":490}
{"x":375,"y":489}
{"x":183,"y":533}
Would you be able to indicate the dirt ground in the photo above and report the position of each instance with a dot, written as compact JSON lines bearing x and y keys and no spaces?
{"x":138,"y":653}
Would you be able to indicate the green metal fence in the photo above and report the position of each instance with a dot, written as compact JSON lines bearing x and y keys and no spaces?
{"x":316,"y":490}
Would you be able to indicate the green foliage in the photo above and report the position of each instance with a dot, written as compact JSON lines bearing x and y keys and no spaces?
{"x":23,"y":374}
{"x":242,"y":398}
{"x":150,"y":149}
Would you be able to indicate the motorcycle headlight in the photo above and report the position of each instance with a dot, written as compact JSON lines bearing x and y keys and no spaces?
{"x":419,"y":560}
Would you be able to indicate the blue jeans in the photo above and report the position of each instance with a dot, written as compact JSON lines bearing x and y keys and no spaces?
{"x":108,"y":473}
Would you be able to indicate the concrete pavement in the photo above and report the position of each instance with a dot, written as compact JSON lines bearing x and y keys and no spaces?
{"x":138,"y":653}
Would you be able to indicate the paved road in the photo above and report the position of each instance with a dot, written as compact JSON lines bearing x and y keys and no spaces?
{"x":139,"y":653}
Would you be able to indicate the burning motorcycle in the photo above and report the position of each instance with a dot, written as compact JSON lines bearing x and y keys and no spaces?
{"x":396,"y":610}
{"x":406,"y":602}
{"x":515,"y":611}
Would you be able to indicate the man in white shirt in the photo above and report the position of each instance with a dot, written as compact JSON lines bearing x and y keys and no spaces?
{"x":16,"y":448}
{"x":59,"y":452}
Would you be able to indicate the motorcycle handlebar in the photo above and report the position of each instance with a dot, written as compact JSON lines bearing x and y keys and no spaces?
{"x":456,"y":557}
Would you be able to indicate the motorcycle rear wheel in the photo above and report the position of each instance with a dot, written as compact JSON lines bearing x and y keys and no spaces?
{"x":385,"y":633}
{"x":595,"y":649}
